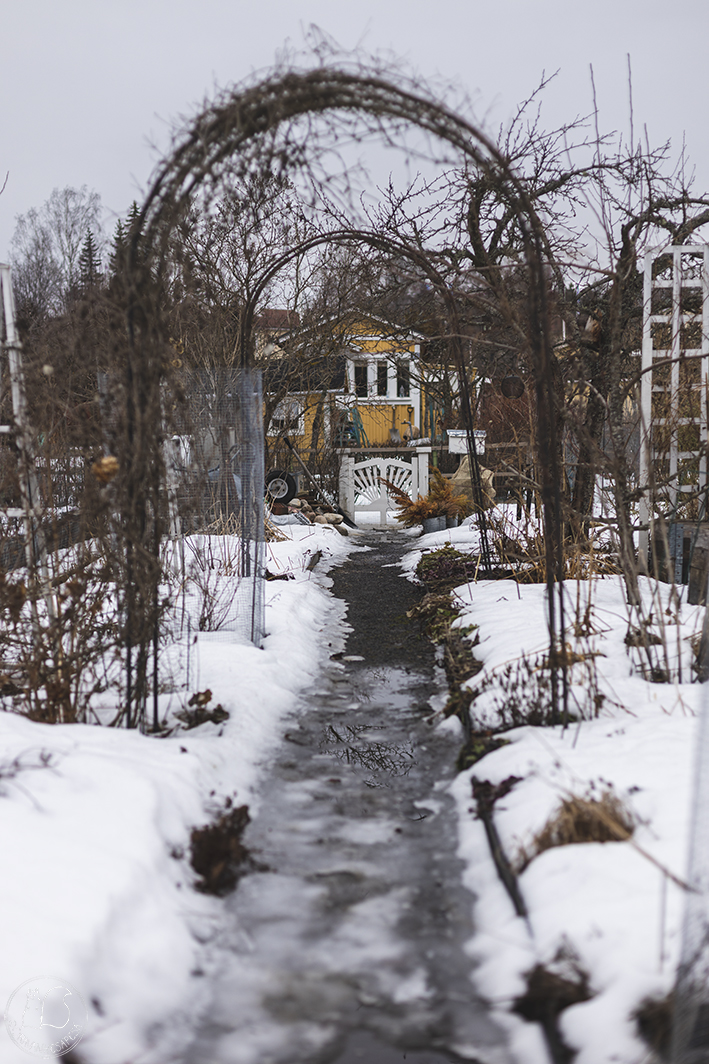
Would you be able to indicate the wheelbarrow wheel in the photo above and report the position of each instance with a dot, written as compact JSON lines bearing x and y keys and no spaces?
{"x":281,"y":486}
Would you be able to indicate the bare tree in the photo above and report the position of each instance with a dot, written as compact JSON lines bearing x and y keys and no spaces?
{"x":46,"y":249}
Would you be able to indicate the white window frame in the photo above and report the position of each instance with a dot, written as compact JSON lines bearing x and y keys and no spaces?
{"x":292,"y":410}
{"x":372,"y":361}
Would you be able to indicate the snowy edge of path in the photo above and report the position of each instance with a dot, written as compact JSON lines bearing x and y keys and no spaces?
{"x":95,"y":827}
{"x":612,"y":909}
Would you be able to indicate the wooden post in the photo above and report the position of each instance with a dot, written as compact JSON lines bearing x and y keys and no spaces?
{"x":347,"y":485}
{"x":699,"y":569}
{"x":422,"y":457}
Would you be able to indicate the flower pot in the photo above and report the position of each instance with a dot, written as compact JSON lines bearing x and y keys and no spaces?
{"x":452,"y":522}
{"x":430,"y":524}
{"x":440,"y":523}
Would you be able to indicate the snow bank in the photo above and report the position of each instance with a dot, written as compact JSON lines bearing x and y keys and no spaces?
{"x":615,"y":908}
{"x":95,"y":824}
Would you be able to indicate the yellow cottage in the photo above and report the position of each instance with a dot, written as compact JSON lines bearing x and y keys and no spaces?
{"x":365,"y":391}
{"x":383,"y":382}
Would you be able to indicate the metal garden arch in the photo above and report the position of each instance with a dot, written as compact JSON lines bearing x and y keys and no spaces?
{"x":242,"y":129}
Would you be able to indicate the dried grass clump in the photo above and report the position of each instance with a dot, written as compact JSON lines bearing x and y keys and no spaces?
{"x":446,"y":568}
{"x":196,"y":711}
{"x":603,"y":819}
{"x":218,"y":855}
{"x":654,"y":1017}
{"x":520,"y":695}
{"x":437,"y":612}
{"x":586,"y":561}
{"x":524,"y":551}
{"x":272,"y":533}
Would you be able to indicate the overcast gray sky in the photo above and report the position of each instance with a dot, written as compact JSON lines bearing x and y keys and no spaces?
{"x":89,"y":88}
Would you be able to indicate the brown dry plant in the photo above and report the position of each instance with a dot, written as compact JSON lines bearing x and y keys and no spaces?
{"x":578,"y":820}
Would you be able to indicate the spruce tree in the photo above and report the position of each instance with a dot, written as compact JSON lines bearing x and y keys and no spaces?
{"x":90,"y":274}
{"x":120,"y":239}
{"x":133,"y":216}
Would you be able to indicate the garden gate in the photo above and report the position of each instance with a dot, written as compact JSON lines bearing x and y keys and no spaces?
{"x":361,"y":487}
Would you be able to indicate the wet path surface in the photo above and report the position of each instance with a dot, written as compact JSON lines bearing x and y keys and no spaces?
{"x":349,"y":947}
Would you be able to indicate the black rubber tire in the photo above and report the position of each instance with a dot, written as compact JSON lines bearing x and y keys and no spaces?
{"x":281,"y":486}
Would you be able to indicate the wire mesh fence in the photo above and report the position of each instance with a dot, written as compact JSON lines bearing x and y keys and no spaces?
{"x":111,"y":549}
{"x":215,"y":498}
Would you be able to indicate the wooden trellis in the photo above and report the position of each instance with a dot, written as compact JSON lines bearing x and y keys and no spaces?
{"x":675,"y":371}
{"x":30,"y":513}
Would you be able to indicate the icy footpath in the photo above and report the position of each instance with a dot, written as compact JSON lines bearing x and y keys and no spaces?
{"x":610,"y":910}
{"x":95,"y":826}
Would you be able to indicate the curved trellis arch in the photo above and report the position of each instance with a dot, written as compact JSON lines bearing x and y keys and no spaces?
{"x":242,"y":129}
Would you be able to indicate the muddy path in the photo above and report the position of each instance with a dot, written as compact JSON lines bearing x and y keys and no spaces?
{"x":348,"y":945}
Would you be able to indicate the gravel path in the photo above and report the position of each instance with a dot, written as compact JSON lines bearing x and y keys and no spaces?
{"x":349,"y":947}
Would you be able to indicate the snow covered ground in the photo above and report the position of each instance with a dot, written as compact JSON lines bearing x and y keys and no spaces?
{"x":95,"y":824}
{"x":612,"y":910}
